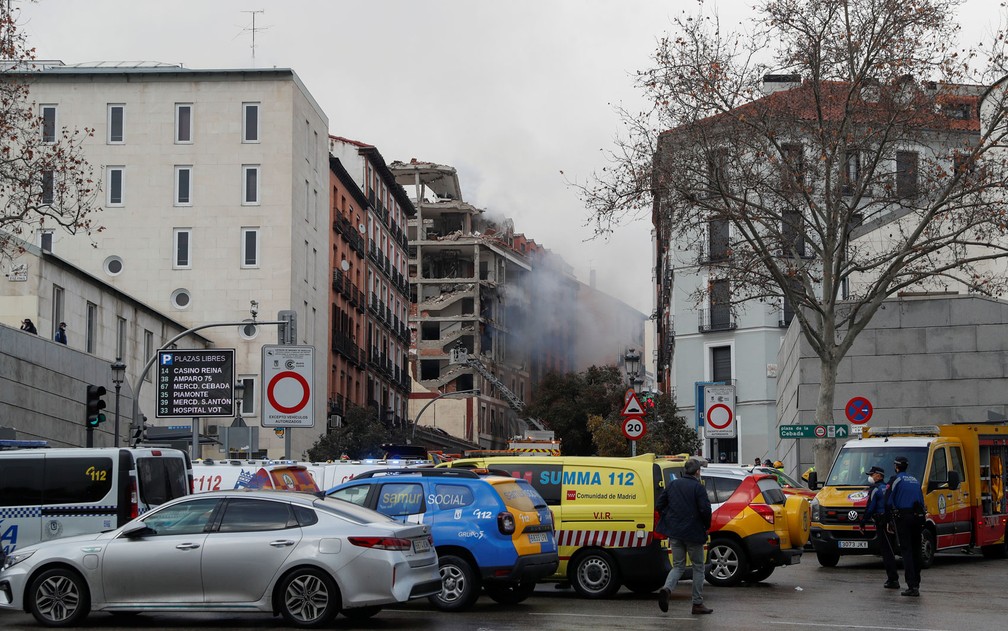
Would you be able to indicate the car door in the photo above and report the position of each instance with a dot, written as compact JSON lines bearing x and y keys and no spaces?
{"x":245,"y":551}
{"x":958,"y":505}
{"x":161,"y":565}
{"x":938,"y":496}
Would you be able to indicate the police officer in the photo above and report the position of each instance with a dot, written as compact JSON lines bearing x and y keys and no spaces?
{"x":905,"y":501}
{"x":876,"y":514}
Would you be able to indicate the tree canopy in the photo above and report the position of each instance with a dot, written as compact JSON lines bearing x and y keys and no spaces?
{"x":667,"y":432}
{"x":45,"y":182}
{"x":836,"y":154}
{"x":563,"y":403}
{"x":360,"y":435}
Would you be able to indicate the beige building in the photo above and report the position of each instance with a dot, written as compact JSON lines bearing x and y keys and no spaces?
{"x":214,"y":193}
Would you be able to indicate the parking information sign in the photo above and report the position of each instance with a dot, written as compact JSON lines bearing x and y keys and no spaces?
{"x":195,"y":383}
{"x":287,"y":373}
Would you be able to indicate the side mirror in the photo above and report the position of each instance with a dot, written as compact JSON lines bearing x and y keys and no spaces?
{"x":953,"y":480}
{"x":813,"y":480}
{"x":136,"y":529}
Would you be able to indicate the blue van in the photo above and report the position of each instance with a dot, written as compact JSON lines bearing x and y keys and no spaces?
{"x":492,"y":532}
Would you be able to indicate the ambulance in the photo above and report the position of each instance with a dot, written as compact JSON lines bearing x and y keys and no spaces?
{"x":216,"y":475}
{"x":962,"y":472}
{"x":604,"y":515}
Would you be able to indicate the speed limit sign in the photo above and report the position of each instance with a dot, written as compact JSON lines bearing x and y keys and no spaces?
{"x":634,"y":427}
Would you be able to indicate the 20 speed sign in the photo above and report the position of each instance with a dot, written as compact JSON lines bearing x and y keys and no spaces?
{"x":634,"y":427}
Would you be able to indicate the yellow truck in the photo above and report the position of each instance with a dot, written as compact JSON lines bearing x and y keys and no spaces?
{"x":962,"y":472}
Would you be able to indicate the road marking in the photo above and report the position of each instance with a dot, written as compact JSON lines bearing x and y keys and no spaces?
{"x":768,"y":622}
{"x":852,"y":626}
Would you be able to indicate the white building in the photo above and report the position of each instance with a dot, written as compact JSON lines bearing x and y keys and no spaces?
{"x":214,"y":193}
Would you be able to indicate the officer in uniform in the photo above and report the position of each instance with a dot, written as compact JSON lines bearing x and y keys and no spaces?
{"x":876,"y":514}
{"x":905,"y":502}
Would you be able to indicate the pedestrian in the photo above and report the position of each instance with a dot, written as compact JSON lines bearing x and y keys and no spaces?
{"x":767,"y":463}
{"x":685,"y":512}
{"x":778,"y":465}
{"x":876,"y":514}
{"x":905,"y":502}
{"x":756,"y":463}
{"x":28,"y":326}
{"x":61,"y":333}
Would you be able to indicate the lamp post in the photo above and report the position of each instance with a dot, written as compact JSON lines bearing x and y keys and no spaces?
{"x":631,"y":363}
{"x":474,"y":392}
{"x":239,"y":394}
{"x":118,"y":376}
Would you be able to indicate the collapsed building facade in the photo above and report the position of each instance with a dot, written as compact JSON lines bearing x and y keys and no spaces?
{"x":470,"y":309}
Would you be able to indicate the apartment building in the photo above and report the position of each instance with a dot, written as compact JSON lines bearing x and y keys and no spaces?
{"x":723,"y":341}
{"x":214,"y":187}
{"x":385,"y":329}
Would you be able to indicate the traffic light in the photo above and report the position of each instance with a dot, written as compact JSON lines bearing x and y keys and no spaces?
{"x":140,"y":432}
{"x":647,"y":400}
{"x":94,"y":404}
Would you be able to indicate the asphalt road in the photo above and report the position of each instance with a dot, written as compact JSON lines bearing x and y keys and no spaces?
{"x":962,"y":592}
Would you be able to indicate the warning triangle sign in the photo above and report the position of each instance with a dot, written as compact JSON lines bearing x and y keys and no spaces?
{"x":633,"y":406}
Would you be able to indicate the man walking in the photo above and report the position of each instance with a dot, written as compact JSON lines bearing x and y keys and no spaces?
{"x":876,"y":514}
{"x":906,"y":501}
{"x":685,"y":519}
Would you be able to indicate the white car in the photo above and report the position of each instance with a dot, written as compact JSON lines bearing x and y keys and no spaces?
{"x":285,"y":553}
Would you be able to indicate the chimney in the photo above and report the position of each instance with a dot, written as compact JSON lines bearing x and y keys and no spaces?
{"x":777,"y":82}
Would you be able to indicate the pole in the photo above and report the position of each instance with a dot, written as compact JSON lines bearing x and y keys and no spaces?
{"x":89,"y":438}
{"x":633,"y":447}
{"x":116,"y":438}
{"x":287,"y":443}
{"x":195,"y":439}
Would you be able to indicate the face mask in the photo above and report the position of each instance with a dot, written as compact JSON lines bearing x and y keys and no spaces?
{"x":871,"y":479}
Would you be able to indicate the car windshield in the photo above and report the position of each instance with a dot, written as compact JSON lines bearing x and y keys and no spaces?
{"x":852,"y":464}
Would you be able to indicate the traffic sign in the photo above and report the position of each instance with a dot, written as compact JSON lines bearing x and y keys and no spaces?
{"x":814,"y":431}
{"x":288,"y":372}
{"x":719,"y":411}
{"x":633,"y":406}
{"x":634,"y":427}
{"x":858,"y":410}
{"x":195,"y":383}
{"x":719,"y":416}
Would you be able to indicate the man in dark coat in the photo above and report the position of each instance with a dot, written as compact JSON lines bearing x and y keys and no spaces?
{"x":685,"y":519}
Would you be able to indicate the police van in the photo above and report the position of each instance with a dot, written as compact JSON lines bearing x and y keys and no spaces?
{"x":51,"y":493}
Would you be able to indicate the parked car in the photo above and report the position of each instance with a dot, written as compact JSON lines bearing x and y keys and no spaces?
{"x":755,"y":527}
{"x":295,"y":554}
{"x":490,"y":531}
{"x":789,"y":485}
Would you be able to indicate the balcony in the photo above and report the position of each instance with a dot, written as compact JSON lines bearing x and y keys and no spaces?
{"x":718,"y":318}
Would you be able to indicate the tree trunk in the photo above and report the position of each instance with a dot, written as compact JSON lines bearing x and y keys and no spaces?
{"x":824,"y":448}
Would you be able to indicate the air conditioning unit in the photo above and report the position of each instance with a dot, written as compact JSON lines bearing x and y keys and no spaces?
{"x":212,"y":430}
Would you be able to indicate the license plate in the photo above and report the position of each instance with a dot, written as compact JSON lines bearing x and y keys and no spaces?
{"x":421,"y":545}
{"x":538,"y":537}
{"x":856,"y":545}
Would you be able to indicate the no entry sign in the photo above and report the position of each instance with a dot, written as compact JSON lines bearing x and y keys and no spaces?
{"x":287,"y":373}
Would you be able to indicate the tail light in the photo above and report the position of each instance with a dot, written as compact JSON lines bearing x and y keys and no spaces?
{"x":764,"y":510}
{"x":506,"y":523}
{"x":382,"y":543}
{"x":657,"y":536}
{"x":134,"y":499}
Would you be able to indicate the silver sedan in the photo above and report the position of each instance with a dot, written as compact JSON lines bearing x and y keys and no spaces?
{"x":289,"y":554}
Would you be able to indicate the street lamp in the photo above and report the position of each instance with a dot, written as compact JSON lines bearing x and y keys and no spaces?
{"x":118,"y":376}
{"x":474,"y":392}
{"x":631,"y":363}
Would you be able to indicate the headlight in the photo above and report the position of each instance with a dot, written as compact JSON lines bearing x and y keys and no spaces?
{"x":815,"y":509}
{"x":17,"y":557}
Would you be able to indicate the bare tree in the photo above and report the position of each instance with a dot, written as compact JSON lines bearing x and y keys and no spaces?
{"x":868,"y":171}
{"x":45,"y":182}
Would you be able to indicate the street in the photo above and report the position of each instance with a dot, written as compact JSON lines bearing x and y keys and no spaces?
{"x":962,"y":591}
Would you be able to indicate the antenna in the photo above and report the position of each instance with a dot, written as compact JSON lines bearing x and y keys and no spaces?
{"x":254,"y":29}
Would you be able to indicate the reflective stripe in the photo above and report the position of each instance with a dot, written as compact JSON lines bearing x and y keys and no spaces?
{"x":604,"y":538}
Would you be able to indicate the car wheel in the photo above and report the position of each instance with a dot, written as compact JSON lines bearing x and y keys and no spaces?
{"x":828,"y":559}
{"x":510,"y":593}
{"x":59,"y":598}
{"x":759,"y":574}
{"x":927,"y":549}
{"x":726,"y":563}
{"x":362,"y":613}
{"x":459,"y":584}
{"x":309,"y":598}
{"x":594,"y":574}
{"x":995,"y":551}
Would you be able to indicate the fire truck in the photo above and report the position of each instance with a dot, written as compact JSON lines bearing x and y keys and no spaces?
{"x":962,"y":472}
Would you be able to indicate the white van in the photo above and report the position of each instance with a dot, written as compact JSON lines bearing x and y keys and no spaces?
{"x":51,"y":493}
{"x":216,"y":475}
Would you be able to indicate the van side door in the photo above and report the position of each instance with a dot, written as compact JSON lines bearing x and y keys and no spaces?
{"x":938,"y":497}
{"x":958,"y":506}
{"x":20,"y":502}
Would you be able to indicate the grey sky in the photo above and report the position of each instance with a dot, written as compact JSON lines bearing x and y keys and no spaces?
{"x":510,"y":93}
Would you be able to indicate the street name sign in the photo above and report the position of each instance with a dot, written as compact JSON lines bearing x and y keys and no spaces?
{"x":195,"y":383}
{"x":814,"y":431}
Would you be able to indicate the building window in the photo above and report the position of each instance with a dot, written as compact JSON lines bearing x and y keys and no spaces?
{"x":792,"y":232}
{"x":148,"y":350}
{"x":717,"y":239}
{"x":48,"y":187}
{"x":183,"y":123}
{"x":120,"y":337}
{"x":90,"y":327}
{"x":113,"y":265}
{"x":250,"y":188}
{"x":57,"y":307}
{"x":307,"y":201}
{"x":116,"y":123}
{"x":115,"y":178}
{"x":250,"y":247}
{"x":250,"y":122}
{"x":851,"y":171}
{"x":792,"y":168}
{"x":906,"y":174}
{"x":48,"y":114}
{"x":183,"y":185}
{"x":181,"y":299}
{"x":720,"y":306}
{"x":46,"y":240}
{"x":721,"y":361}
{"x":182,"y":258}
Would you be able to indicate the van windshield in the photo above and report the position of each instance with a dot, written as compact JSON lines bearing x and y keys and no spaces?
{"x":852,"y":465}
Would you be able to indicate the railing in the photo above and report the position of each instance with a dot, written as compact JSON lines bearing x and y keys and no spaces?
{"x":716,"y":319}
